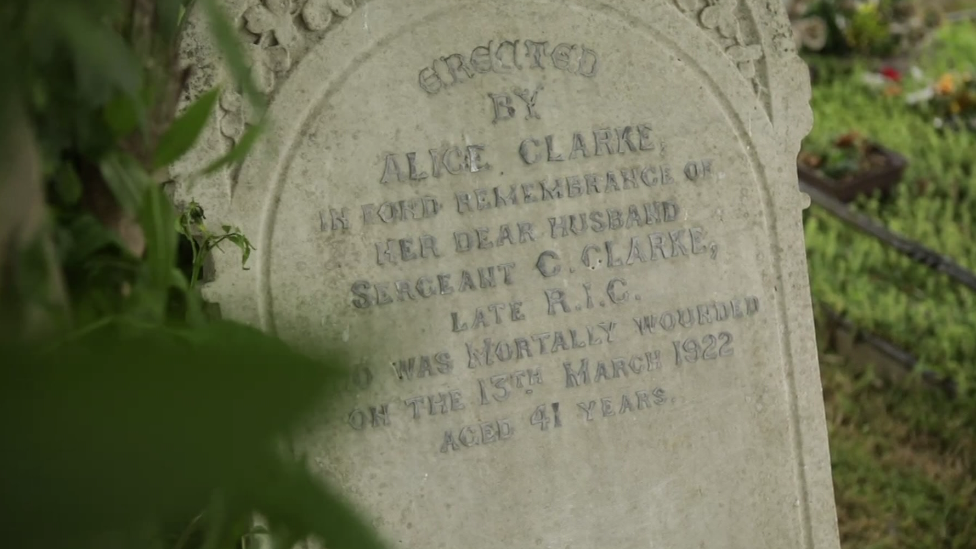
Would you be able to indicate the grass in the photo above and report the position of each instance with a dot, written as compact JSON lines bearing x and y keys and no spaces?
{"x":903,"y":461}
{"x":904,"y":455}
{"x":935,"y":204}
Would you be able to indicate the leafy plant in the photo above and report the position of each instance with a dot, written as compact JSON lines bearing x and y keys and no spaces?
{"x":202,"y":241}
{"x":868,"y":33}
{"x":131,"y":417}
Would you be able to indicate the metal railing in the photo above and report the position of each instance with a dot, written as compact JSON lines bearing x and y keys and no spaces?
{"x":913,"y":250}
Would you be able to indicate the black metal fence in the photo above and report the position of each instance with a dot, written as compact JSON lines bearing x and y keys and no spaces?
{"x":913,"y":250}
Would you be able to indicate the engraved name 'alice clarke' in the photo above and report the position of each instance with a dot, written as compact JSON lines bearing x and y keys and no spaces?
{"x":454,"y":160}
{"x":505,"y":57}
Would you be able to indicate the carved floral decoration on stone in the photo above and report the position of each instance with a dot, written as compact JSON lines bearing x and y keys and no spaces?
{"x":266,"y":64}
{"x":317,"y":14}
{"x":272,"y":17}
{"x":279,"y":35}
{"x":237,"y":114}
{"x":279,"y":30}
{"x":745,"y":58}
{"x":719,"y":17}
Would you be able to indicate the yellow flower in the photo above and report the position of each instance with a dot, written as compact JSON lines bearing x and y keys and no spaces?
{"x":954,"y":107}
{"x":867,"y":7}
{"x":946,"y":85}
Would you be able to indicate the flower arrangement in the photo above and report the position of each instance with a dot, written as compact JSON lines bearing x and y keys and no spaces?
{"x":850,"y":166}
{"x":843,"y":159}
{"x":875,"y":28}
{"x":950,"y":101}
{"x":888,"y":80}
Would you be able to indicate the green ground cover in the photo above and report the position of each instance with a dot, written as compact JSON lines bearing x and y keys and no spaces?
{"x":935,"y":205}
{"x":904,"y":455}
{"x":903,"y":460}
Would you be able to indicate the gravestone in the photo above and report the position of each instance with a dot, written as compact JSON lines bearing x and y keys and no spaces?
{"x":562,"y":240}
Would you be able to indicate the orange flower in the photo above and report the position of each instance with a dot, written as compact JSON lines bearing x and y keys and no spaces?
{"x":946,"y":85}
{"x":892,"y":91}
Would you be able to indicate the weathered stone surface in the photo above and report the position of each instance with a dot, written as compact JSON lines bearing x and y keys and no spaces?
{"x":564,"y":241}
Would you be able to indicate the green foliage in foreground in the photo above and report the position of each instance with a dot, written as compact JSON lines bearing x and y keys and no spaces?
{"x":875,"y":287}
{"x":131,"y":427}
{"x":131,"y":420}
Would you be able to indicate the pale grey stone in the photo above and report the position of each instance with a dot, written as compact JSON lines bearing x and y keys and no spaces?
{"x":652,"y":379}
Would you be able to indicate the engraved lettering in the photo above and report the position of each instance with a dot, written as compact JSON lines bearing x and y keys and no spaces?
{"x":529,"y":99}
{"x":338,"y":220}
{"x":589,"y":64}
{"x":556,"y":296}
{"x":561,"y":58}
{"x":543,"y":265}
{"x":429,"y":81}
{"x":528,"y":156}
{"x":587,"y":408}
{"x":504,"y":57}
{"x":502,"y":103}
{"x":456,"y":166}
{"x":474,"y":435}
{"x":357,"y":419}
{"x":412,"y":165}
{"x":536,"y":51}
{"x":391,"y":170}
{"x":602,"y":139}
{"x":481,"y":59}
{"x":455,"y":62}
{"x":475,"y":162}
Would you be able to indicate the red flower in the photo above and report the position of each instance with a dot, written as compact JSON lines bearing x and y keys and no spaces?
{"x":891,"y":74}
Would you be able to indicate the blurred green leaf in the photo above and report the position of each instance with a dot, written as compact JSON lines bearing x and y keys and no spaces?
{"x":156,"y":218}
{"x":68,"y":184}
{"x":124,"y":114}
{"x":88,"y":236}
{"x":237,"y":154}
{"x":185,"y":130}
{"x":126,"y":179}
{"x":128,"y":425}
{"x":169,"y":13}
{"x":178,"y":280}
{"x":103,"y":60}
